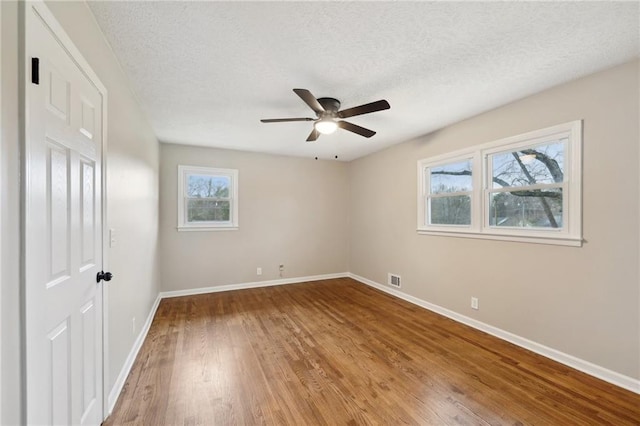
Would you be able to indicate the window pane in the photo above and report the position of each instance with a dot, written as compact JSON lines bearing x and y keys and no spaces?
{"x":454,"y":210}
{"x":539,"y":164}
{"x":203,"y":210}
{"x":208,"y":186}
{"x":454,"y":177}
{"x":527,"y":209}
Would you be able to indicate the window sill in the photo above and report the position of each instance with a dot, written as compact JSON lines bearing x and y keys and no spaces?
{"x":551,"y":240}
{"x":206,"y":228}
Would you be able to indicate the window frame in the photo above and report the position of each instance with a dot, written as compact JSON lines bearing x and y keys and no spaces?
{"x":424,"y":175}
{"x":482,"y":177}
{"x":231,"y":174}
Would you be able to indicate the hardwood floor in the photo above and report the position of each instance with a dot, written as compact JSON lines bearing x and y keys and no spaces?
{"x":339,"y":352}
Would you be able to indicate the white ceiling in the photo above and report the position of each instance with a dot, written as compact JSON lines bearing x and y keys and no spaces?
{"x":205,"y":73}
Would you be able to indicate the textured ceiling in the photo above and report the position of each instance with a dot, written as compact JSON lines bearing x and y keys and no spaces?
{"x":205,"y":73}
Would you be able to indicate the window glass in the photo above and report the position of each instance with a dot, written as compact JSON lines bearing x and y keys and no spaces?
{"x":207,"y":186}
{"x":208,"y":210}
{"x":454,"y":210}
{"x":529,"y":166}
{"x":527,"y":209}
{"x":454,"y":177}
{"x":448,"y":201}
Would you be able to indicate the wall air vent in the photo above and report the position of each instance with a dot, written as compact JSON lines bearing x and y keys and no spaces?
{"x":394,"y":280}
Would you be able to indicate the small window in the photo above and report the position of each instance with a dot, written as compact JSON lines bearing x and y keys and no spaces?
{"x":448,"y":201}
{"x":207,"y":198}
{"x":525,"y":188}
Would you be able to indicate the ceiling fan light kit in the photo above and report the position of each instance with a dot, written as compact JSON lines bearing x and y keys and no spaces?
{"x":328,"y":112}
{"x":326,"y":126}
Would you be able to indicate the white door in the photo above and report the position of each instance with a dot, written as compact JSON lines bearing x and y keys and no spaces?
{"x":63,"y":229}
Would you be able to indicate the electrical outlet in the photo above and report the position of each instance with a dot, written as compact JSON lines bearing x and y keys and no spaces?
{"x":259,"y":271}
{"x":133,"y":325}
{"x":281,"y":267}
{"x":474,"y":303}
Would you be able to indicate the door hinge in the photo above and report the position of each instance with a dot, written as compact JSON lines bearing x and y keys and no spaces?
{"x":35,"y":70}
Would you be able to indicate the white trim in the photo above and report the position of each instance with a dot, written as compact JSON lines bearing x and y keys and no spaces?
{"x":587,"y":367}
{"x":230,"y":225}
{"x":206,"y":228}
{"x":424,"y":189}
{"x":255,"y":284}
{"x":105,"y":253}
{"x":570,"y":234}
{"x":547,"y":239}
{"x":2,"y":218}
{"x":105,"y":259}
{"x":128,"y":364}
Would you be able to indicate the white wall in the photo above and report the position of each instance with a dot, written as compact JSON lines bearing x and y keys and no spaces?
{"x":132,"y":199}
{"x":292,"y":211}
{"x":10,"y":367}
{"x":581,"y":301}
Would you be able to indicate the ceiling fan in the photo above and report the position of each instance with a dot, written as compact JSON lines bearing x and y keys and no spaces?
{"x":328,"y":115}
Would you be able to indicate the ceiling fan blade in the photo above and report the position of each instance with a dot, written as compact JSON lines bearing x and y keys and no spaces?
{"x":310,"y":100}
{"x":356,"y":129}
{"x":314,"y":135}
{"x":279,"y":120}
{"x":364,"y":109}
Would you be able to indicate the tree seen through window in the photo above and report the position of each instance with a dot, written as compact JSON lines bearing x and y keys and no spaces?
{"x":208,"y":198}
{"x":526,"y":188}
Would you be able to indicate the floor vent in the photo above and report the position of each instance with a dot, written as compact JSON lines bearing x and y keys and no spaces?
{"x":394,"y":280}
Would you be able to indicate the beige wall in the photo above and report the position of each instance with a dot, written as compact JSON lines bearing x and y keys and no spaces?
{"x":581,"y":301}
{"x":132,"y":197}
{"x":292,"y":211}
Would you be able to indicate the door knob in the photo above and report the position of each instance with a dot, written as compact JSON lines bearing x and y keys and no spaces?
{"x":104,"y":276}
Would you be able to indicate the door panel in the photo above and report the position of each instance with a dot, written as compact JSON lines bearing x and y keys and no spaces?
{"x":87,"y":122}
{"x":87,"y":213}
{"x":58,"y":94}
{"x":63,"y":231}
{"x":88,"y":357}
{"x":58,"y":389}
{"x":58,"y":195}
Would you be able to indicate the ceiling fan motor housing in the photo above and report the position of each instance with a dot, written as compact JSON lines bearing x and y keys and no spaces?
{"x":330,"y":105}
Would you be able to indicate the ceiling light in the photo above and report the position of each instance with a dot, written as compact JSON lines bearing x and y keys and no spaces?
{"x":326,"y":126}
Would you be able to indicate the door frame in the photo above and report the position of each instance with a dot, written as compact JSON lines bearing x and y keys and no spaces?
{"x":58,"y":31}
{"x":2,"y":218}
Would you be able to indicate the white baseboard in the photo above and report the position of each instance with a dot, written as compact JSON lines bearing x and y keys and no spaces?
{"x":561,"y":357}
{"x":128,"y":364}
{"x":587,"y":367}
{"x":256,"y":284}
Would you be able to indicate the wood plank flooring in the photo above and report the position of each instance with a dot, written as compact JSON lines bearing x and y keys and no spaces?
{"x":337,"y":352}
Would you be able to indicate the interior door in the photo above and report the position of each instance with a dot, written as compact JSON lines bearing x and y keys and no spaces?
{"x":63,"y":229}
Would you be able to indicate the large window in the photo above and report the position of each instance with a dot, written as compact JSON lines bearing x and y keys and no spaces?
{"x":523,"y":188}
{"x":207,"y":198}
